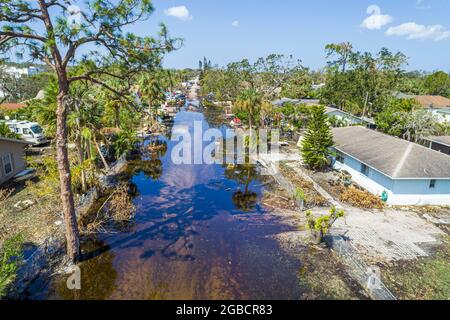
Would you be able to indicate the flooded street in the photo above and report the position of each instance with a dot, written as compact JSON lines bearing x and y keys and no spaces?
{"x":199,"y":233}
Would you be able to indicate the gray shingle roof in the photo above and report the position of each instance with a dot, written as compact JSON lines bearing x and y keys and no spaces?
{"x":13,"y":140}
{"x":394,"y":157}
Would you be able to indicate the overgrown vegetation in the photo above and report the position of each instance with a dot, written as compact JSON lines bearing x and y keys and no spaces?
{"x":311,"y":198}
{"x":10,"y":261}
{"x":117,"y":208}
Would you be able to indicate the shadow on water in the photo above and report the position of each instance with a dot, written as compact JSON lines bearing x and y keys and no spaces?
{"x":199,"y":233}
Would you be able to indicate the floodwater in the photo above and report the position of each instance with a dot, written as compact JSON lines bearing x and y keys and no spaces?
{"x":199,"y":233}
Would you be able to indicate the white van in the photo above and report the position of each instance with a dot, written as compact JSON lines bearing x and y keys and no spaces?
{"x":31,"y":132}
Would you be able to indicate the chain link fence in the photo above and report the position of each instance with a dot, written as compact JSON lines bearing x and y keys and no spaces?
{"x":369,"y":277}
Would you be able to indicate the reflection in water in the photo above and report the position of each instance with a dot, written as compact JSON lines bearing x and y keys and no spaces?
{"x":98,"y":277}
{"x":244,"y":174}
{"x":195,"y":236}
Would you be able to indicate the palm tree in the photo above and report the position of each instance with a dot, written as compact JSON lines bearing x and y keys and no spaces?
{"x":44,"y":110}
{"x":6,"y":132}
{"x":152,"y":92}
{"x":249,"y":101}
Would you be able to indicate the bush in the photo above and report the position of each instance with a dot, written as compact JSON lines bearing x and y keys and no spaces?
{"x":361,"y":199}
{"x":319,"y":227}
{"x":10,"y":259}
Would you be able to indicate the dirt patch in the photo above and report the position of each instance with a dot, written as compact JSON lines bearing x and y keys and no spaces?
{"x":312,"y":197}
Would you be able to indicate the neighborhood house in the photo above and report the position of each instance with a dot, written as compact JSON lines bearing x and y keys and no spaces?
{"x":347,"y":118}
{"x":441,"y":144}
{"x":438,"y":105}
{"x":403,"y":172}
{"x":12,"y":158}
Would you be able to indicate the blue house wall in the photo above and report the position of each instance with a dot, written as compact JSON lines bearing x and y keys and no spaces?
{"x":400,"y":186}
{"x":374,"y":175}
{"x":411,"y":186}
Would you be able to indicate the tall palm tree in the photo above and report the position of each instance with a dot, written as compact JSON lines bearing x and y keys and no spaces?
{"x":250,"y":101}
{"x":44,"y":110}
{"x":152,"y":91}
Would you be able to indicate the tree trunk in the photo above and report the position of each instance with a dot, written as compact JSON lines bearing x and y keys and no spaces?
{"x":80,"y":161}
{"x":99,"y":150}
{"x":68,"y":204}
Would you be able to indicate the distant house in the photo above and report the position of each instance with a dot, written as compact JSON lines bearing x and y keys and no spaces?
{"x":441,"y":144}
{"x":19,"y":72}
{"x":318,"y":86}
{"x":438,"y":105}
{"x":405,"y":172}
{"x":12,"y":154}
{"x":433,"y":102}
{"x":283,"y":101}
{"x":347,"y":118}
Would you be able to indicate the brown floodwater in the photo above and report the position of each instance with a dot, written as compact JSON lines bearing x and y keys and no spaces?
{"x":199,"y":233}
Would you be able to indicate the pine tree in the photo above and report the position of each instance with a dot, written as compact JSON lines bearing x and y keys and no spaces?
{"x":318,"y":139}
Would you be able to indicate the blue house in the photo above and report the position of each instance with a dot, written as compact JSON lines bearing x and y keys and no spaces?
{"x":348,"y":119}
{"x":408,"y":173}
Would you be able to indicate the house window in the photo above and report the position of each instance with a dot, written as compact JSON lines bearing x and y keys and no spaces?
{"x":7,"y":163}
{"x":432,"y":184}
{"x":364,"y":169}
{"x":340,"y":158}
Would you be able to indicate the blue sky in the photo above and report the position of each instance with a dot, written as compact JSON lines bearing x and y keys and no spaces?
{"x":229,"y":30}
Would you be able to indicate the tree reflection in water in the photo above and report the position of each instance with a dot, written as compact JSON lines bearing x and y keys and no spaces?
{"x":151,"y":164}
{"x":98,"y":277}
{"x":243,"y":174}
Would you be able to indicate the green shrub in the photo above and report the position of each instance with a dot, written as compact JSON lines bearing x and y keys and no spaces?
{"x":10,"y":259}
{"x":319,"y":227}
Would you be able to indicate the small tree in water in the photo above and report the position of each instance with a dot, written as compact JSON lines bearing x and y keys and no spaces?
{"x":318,"y":139}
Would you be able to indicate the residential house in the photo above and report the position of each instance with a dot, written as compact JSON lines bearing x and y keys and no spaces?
{"x":438,"y":105}
{"x":19,"y":72}
{"x":348,"y":119}
{"x":283,"y":101}
{"x":12,"y":158}
{"x":404,"y":172}
{"x":441,"y":144}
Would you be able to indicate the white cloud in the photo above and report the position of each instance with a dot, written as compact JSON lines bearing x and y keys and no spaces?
{"x":412,"y":30}
{"x":180,"y":12}
{"x":235,"y":24}
{"x":376,"y":20}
